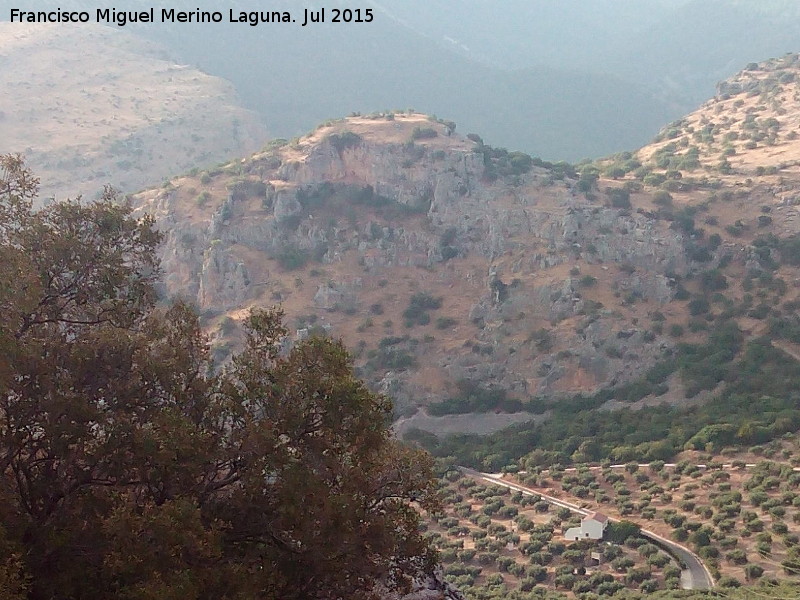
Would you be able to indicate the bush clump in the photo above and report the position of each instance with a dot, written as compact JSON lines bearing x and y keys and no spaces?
{"x":418,"y":307}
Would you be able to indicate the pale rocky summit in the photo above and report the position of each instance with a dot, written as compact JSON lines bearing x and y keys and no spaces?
{"x":457,"y":271}
{"x":344,"y":226}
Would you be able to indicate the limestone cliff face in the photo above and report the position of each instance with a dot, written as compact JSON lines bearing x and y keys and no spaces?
{"x":431,"y":587}
{"x":541,"y":289}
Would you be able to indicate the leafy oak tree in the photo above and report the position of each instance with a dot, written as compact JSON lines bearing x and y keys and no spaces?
{"x":129,"y":469}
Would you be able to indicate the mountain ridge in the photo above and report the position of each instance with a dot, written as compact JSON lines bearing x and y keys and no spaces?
{"x":481,"y":287}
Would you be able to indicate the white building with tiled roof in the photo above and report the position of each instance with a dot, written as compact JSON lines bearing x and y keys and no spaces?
{"x":593,"y":526}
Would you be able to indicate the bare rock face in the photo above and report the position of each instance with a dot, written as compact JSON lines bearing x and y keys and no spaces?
{"x":338,"y":295}
{"x":223,"y":280}
{"x":536,"y":288}
{"x":434,"y":588}
{"x":286,"y":206}
{"x":431,"y":586}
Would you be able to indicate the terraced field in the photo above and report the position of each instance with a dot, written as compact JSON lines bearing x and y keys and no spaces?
{"x":495,"y":543}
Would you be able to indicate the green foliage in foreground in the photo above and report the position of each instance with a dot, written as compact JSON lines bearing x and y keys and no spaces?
{"x":471,"y":397}
{"x":129,"y":469}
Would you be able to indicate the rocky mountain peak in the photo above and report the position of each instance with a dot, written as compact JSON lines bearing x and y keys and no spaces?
{"x":447,"y":265}
{"x":478,"y":286}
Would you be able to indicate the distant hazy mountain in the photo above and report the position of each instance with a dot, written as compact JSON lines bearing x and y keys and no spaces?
{"x":686,"y":45}
{"x":517,"y":34}
{"x":564,"y":79}
{"x":706,"y":41}
{"x":296,"y":78}
{"x":114,"y":112}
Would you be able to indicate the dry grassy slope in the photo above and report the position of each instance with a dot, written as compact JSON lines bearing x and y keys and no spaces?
{"x":89,"y":105}
{"x":513,"y":228}
{"x":753,"y":121}
{"x":744,"y":182}
{"x":753,"y":125}
{"x":599,"y":280}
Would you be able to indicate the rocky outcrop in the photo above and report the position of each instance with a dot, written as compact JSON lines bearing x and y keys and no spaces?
{"x":430,"y":586}
{"x":510,"y":254}
{"x":223,"y":282}
{"x":338,"y":295}
{"x":434,"y":588}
